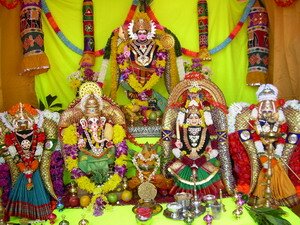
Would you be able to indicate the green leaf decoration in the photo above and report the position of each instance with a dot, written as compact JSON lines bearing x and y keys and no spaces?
{"x":55,"y":107}
{"x":268,"y":216}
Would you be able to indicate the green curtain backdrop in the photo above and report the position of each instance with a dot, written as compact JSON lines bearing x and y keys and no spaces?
{"x":229,"y":66}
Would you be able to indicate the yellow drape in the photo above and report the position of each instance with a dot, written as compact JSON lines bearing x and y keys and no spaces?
{"x":229,"y":65}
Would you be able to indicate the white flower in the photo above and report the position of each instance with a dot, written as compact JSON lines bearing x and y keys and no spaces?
{"x":12,"y":151}
{"x":176,"y":152}
{"x":208,"y":119}
{"x":39,"y":150}
{"x":233,"y":111}
{"x":2,"y":160}
{"x":295,"y":104}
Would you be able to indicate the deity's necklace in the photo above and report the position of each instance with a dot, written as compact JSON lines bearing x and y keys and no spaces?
{"x":201,"y":142}
{"x":97,"y":151}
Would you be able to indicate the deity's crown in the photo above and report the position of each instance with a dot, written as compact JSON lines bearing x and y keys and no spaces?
{"x":267,"y":92}
{"x":92,"y":106}
{"x":141,"y":22}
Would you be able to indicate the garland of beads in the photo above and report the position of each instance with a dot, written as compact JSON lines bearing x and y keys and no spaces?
{"x":9,"y":4}
{"x":130,"y":14}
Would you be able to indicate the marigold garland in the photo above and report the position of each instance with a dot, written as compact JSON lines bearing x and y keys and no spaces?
{"x":69,"y":137}
{"x":131,"y":79}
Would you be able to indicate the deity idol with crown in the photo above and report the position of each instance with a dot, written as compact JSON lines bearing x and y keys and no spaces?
{"x":28,"y":139}
{"x":196,"y":116}
{"x":93,"y":139}
{"x":271,"y":124}
{"x":142,"y":55}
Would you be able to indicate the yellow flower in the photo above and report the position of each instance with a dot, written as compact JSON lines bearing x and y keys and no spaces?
{"x":111,"y":184}
{"x":69,"y":135}
{"x":75,"y":84}
{"x":84,"y":183}
{"x":119,"y":134}
{"x":71,"y":164}
{"x":122,"y":160}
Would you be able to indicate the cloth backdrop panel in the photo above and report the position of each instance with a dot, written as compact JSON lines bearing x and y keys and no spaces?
{"x":13,"y":88}
{"x":285,"y":48}
{"x":229,"y":65}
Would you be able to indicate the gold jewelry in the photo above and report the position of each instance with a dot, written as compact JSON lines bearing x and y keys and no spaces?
{"x":201,"y":142}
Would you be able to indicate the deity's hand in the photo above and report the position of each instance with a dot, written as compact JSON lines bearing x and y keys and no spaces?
{"x":126,"y":52}
{"x":81,"y":143}
{"x":178,"y":143}
{"x":176,"y":152}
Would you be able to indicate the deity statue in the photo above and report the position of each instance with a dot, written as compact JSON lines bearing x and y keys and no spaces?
{"x":264,"y":139}
{"x":147,"y":164}
{"x":201,"y":162}
{"x":92,"y":136}
{"x":143,"y":55}
{"x":28,"y":138}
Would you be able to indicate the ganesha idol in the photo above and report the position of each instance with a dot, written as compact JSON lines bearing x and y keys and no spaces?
{"x":265,"y":137}
{"x":195,"y":138}
{"x":93,"y":137}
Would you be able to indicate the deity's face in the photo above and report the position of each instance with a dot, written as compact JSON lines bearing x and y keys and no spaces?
{"x":268,"y":111}
{"x":142,"y":35}
{"x":22,"y":122}
{"x":194,"y":119}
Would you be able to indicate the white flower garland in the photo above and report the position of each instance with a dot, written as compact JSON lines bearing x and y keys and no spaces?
{"x":295,"y":104}
{"x":140,"y":172}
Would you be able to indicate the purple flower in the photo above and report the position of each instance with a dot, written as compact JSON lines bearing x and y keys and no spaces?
{"x":80,"y":130}
{"x":160,"y":70}
{"x":122,"y":148}
{"x":88,"y":74}
{"x":71,"y":150}
{"x":161,"y":55}
{"x":120,"y":58}
{"x":56,"y":171}
{"x":97,"y":211}
{"x":76,"y":173}
{"x":121,"y":170}
{"x":125,"y":74}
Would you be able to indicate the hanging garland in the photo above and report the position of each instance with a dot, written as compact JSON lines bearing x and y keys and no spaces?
{"x":9,"y":4}
{"x":66,"y":41}
{"x":221,"y":46}
{"x":129,"y":17}
{"x":69,"y":139}
{"x":284,"y":3}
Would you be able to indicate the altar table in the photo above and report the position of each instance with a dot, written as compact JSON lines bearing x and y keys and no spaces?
{"x":123,"y":215}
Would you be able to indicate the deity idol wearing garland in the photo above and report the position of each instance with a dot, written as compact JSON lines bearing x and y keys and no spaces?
{"x":28,"y":138}
{"x":93,"y":142}
{"x":255,"y":129}
{"x":201,"y":165}
{"x":143,"y":55}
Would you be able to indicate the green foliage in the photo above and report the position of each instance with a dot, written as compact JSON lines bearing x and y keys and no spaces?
{"x":268,"y":216}
{"x":54,"y":107}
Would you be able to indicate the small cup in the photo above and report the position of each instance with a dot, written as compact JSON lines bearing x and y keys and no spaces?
{"x":175,"y":209}
{"x":184,"y":199}
{"x":216,"y":210}
{"x":140,"y":220}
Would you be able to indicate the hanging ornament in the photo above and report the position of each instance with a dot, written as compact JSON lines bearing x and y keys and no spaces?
{"x":34,"y":60}
{"x":88,"y":58}
{"x":203,"y":30}
{"x":258,"y":45}
{"x":64,"y":221}
{"x":60,"y":206}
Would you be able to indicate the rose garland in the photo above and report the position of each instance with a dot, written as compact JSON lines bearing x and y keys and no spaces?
{"x":99,"y":199}
{"x":127,"y":74}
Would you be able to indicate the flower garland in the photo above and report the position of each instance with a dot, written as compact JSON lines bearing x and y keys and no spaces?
{"x":127,"y":73}
{"x":9,"y":4}
{"x":5,"y":181}
{"x":219,"y":47}
{"x":99,"y":199}
{"x":27,"y":164}
{"x":56,"y":171}
{"x":66,"y":41}
{"x":284,"y":3}
{"x":129,"y":17}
